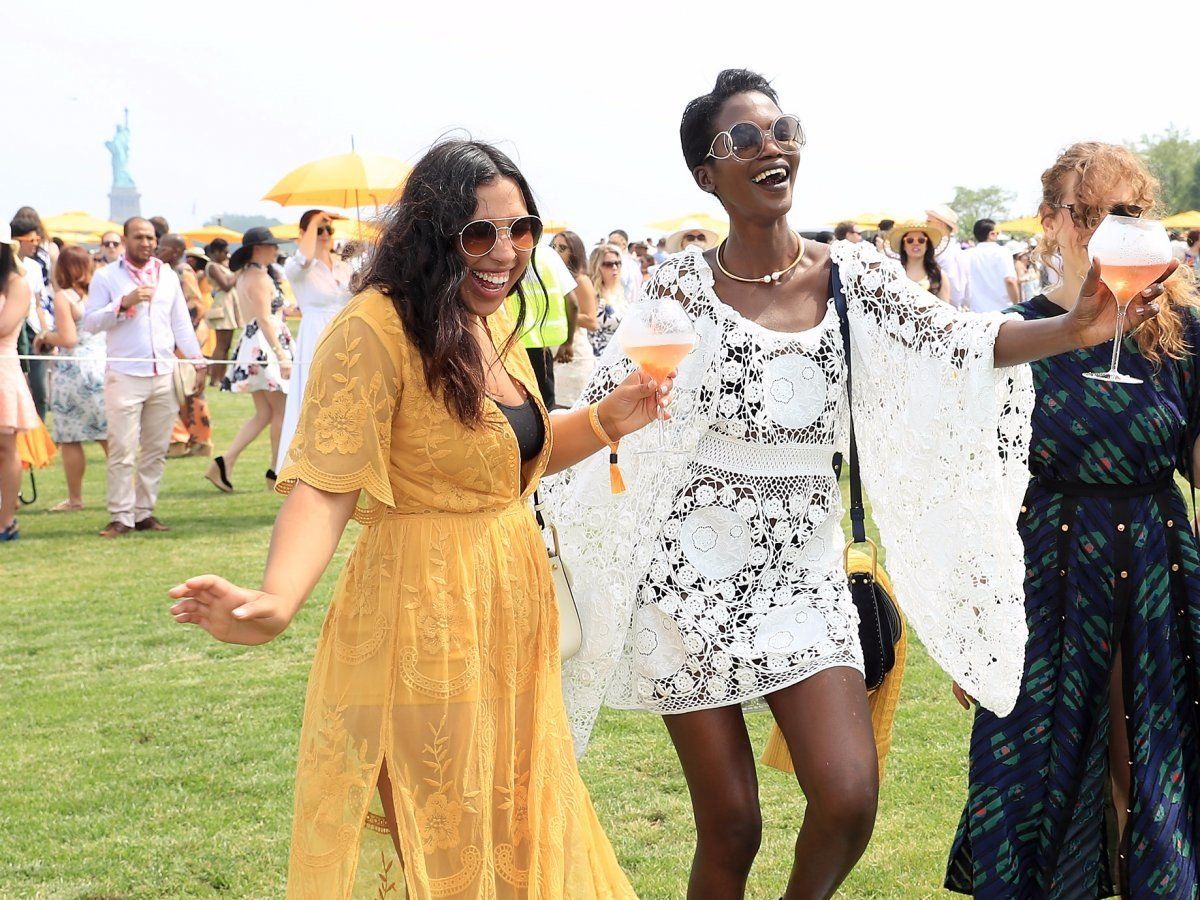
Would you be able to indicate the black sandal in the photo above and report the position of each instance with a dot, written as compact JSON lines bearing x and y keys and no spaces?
{"x":217,"y":475}
{"x":271,"y":479}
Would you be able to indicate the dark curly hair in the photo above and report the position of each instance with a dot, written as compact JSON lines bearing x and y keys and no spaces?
{"x":416,"y":264}
{"x":696,"y":127}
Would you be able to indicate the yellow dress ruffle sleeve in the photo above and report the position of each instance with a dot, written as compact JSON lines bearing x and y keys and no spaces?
{"x":435,"y":751}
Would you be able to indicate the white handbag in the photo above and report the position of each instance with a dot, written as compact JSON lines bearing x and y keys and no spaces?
{"x":570,"y":628}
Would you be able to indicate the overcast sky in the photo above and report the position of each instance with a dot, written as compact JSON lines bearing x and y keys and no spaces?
{"x":901,"y":101}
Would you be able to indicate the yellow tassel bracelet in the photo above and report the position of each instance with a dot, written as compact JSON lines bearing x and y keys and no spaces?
{"x":616,"y":480}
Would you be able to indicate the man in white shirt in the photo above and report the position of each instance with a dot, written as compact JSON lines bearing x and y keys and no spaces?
{"x":991,"y":275}
{"x":139,"y":303}
{"x":953,"y":259}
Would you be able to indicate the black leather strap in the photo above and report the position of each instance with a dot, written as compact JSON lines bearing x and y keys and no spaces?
{"x":858,"y":514}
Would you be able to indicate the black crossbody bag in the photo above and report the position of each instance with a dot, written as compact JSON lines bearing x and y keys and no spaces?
{"x":879,"y":624}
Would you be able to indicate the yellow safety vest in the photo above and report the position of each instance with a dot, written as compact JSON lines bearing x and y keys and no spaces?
{"x":550,"y":331}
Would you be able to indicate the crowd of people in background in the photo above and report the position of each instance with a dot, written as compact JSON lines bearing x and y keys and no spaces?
{"x":83,"y":308}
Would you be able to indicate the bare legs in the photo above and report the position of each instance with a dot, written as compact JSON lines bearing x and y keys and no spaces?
{"x":217,"y":371}
{"x":827,"y":726}
{"x":1118,"y":756}
{"x":74,"y":466}
{"x":10,"y":478}
{"x":718,"y":763}
{"x":268,"y":413}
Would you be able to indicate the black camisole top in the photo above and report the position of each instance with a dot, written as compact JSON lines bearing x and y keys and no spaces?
{"x":526,"y":423}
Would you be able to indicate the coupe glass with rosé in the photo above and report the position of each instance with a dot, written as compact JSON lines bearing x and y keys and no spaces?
{"x":657,"y":335}
{"x":1132,"y":254}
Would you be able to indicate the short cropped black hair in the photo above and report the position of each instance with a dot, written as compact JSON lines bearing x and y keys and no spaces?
{"x":983,"y":228}
{"x":622,"y":232}
{"x":133,"y":220}
{"x":696,"y":127}
{"x":887,"y":224}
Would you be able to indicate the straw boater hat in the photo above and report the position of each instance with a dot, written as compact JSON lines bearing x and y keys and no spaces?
{"x":675,"y":238}
{"x":197,"y":253}
{"x":935,"y":232}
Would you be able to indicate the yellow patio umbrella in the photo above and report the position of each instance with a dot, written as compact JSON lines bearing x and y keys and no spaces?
{"x":208,"y":233}
{"x":1027,"y":225}
{"x":871,"y":220}
{"x":1190,"y":219}
{"x":79,"y":227}
{"x":702,"y":219}
{"x":345,"y":181}
{"x":555,"y":226}
{"x":343,"y":228}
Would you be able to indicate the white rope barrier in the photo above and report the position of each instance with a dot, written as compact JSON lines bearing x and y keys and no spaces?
{"x":166,"y":360}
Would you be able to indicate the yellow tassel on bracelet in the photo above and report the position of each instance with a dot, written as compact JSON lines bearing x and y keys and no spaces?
{"x":615,"y":479}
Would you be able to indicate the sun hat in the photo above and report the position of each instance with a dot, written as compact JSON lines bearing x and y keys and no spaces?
{"x":935,"y":232}
{"x":691,"y":226}
{"x":197,"y":253}
{"x":943,"y":213}
{"x":254,"y":237}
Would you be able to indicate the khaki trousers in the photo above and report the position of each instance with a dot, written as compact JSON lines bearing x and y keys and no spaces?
{"x":141,"y":410}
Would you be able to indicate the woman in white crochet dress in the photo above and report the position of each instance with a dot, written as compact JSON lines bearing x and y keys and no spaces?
{"x":716,"y":579}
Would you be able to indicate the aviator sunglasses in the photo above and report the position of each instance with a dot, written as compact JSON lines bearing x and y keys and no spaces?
{"x":478,"y":238}
{"x":745,"y":140}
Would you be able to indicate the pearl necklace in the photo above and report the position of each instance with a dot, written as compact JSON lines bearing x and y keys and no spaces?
{"x":773,"y":278}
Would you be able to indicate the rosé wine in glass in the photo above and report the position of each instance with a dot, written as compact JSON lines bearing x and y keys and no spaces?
{"x":657,"y":335}
{"x":1132,"y":253}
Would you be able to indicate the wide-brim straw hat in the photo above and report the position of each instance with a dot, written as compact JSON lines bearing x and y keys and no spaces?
{"x":675,"y":238}
{"x":935,"y":232}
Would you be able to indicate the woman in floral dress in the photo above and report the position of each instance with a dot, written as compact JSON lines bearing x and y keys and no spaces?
{"x":77,"y":377}
{"x":436,"y":683}
{"x":262,"y":363}
{"x":1091,"y":786}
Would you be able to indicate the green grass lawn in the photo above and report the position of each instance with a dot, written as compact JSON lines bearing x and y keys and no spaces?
{"x":142,"y":759}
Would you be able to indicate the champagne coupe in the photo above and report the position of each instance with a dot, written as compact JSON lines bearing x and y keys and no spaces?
{"x":1132,"y":254}
{"x":657,"y":335}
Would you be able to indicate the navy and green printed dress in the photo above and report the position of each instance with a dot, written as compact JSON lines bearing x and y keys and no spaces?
{"x":1111,"y":564}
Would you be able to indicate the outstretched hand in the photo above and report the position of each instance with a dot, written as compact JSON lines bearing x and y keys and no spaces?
{"x":233,"y":614}
{"x":1094,"y":317}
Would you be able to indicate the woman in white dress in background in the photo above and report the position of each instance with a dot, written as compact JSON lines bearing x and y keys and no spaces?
{"x":716,"y":579}
{"x":321,"y":282}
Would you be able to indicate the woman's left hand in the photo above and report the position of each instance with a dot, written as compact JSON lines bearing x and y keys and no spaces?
{"x":1094,"y":317}
{"x":635,"y":403}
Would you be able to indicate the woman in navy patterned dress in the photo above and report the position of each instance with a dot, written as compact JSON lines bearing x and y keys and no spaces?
{"x":1091,"y":787}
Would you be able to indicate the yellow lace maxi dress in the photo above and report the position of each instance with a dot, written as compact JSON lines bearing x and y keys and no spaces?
{"x":439,"y":654}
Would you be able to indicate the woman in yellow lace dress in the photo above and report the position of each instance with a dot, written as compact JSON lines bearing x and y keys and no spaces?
{"x":435,"y":749}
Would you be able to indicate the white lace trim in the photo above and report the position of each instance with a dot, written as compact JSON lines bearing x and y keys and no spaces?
{"x":717,"y":578}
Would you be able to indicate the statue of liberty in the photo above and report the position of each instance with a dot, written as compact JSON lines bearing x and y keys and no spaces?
{"x":118,"y":147}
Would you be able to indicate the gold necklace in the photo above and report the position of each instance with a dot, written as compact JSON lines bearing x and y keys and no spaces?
{"x":773,"y":278}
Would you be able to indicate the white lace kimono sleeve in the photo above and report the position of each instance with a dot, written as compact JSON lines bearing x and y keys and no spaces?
{"x":943,"y":437}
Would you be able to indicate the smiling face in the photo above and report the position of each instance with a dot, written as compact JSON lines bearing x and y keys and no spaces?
{"x":140,"y":242}
{"x":492,"y":277}
{"x":759,"y":189}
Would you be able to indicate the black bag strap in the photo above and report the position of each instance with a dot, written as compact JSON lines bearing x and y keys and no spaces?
{"x":858,"y":514}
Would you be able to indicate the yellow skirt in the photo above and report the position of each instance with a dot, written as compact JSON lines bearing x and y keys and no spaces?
{"x":882,"y":701}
